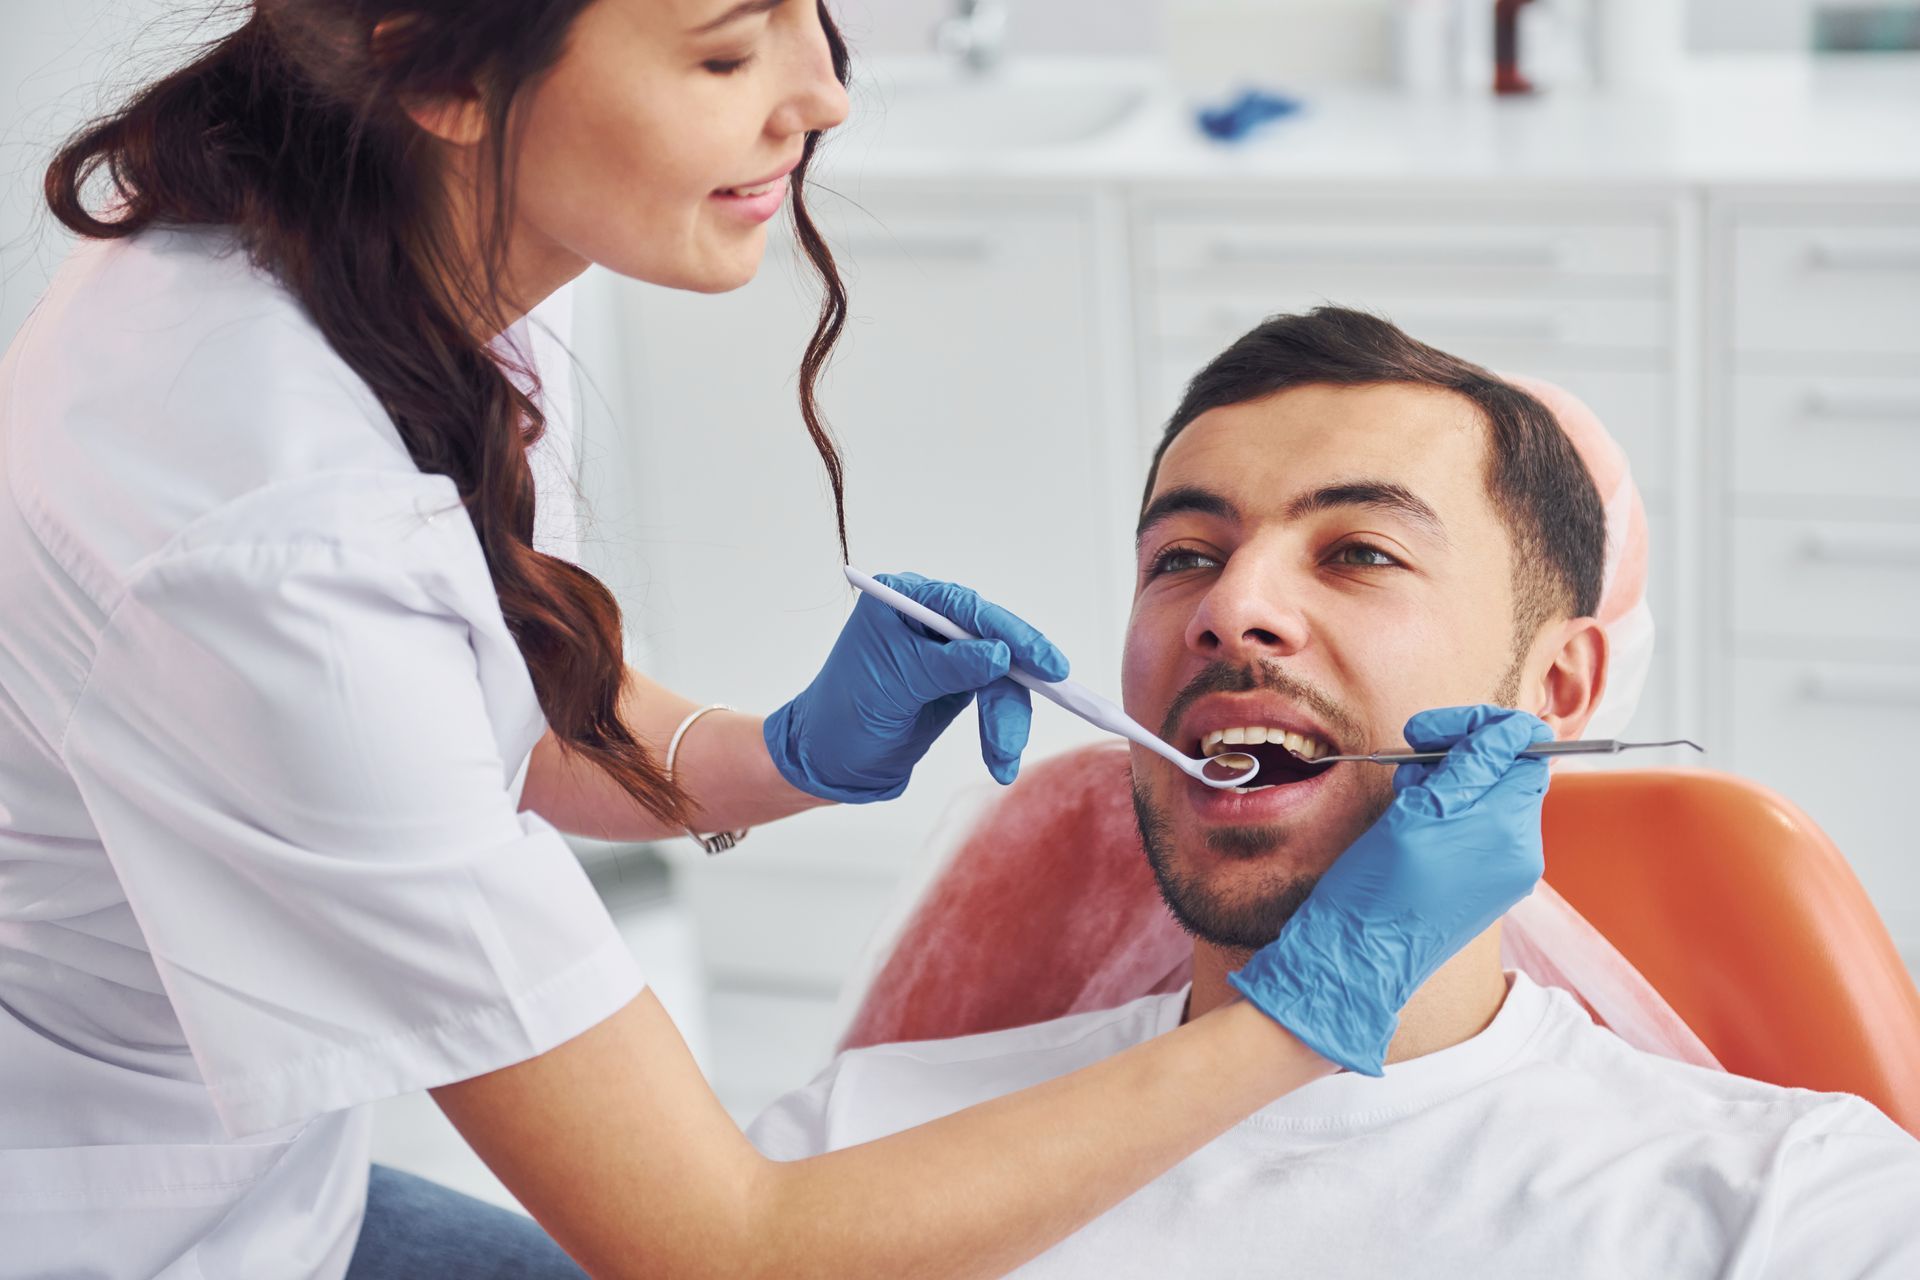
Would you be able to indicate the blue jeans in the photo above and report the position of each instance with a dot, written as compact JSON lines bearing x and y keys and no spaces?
{"x":420,"y":1230}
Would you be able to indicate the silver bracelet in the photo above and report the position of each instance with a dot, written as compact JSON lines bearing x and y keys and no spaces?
{"x":720,"y":841}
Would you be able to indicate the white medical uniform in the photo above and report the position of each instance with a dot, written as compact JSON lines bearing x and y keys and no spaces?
{"x":1542,"y":1147}
{"x":262,"y":736}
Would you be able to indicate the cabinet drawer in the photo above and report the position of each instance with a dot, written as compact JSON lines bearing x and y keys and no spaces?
{"x":1842,"y":289}
{"x":1826,"y":579}
{"x":1462,"y":325}
{"x":1826,"y":437}
{"x":1282,"y":248}
{"x":1781,"y":709}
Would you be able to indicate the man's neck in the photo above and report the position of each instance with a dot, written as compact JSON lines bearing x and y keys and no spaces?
{"x":1455,"y":1004}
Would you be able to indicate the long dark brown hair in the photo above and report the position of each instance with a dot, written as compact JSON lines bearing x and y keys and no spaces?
{"x":290,"y":131}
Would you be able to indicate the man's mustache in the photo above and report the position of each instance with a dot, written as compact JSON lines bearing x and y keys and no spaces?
{"x":1269,"y":677}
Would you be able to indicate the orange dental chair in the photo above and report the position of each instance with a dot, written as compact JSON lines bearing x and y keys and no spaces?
{"x":1725,"y":897}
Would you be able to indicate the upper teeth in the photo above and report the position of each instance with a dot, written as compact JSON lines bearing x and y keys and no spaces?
{"x":760,"y":190}
{"x":1298,"y":743}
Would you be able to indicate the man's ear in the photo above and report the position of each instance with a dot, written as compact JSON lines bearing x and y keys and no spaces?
{"x":1567,"y":690}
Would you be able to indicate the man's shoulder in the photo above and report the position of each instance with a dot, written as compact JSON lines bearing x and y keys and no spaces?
{"x":1832,"y":1175}
{"x":1673,"y":1096}
{"x":871,"y":1092}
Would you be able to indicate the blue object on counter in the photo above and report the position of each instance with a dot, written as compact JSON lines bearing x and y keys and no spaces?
{"x":1244,"y":114}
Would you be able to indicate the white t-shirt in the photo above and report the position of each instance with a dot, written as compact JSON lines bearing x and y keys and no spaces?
{"x":262,"y":736}
{"x":1542,"y":1147}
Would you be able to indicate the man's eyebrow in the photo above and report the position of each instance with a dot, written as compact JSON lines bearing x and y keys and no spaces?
{"x":745,"y":9}
{"x":1187,"y":497}
{"x":1380,"y":495}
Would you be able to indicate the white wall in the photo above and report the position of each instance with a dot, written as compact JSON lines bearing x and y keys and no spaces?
{"x":61,"y":63}
{"x":1749,"y":25}
{"x":1034,"y":26}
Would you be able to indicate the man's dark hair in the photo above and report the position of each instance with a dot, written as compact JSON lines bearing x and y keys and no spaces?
{"x":1537,"y":482}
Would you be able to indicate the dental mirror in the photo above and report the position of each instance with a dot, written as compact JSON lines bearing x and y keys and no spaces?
{"x":1228,"y":769}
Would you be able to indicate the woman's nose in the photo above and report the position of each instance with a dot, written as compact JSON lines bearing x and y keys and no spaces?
{"x":819,"y":100}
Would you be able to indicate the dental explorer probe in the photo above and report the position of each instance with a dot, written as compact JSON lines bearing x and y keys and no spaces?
{"x":1228,"y":769}
{"x":1572,"y":747}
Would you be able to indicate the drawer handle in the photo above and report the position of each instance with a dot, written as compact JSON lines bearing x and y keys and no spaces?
{"x":1827,"y":255}
{"x":1827,"y":546}
{"x":1822,"y":404}
{"x":1241,"y":253}
{"x":1854,"y":690}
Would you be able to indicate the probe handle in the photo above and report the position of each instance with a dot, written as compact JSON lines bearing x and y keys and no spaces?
{"x":1070,"y":694}
{"x":1571,"y":747}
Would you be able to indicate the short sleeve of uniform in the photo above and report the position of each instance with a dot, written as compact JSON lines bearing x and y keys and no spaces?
{"x":291,"y":751}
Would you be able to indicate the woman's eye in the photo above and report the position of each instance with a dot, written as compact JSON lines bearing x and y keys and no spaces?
{"x":726,"y":66}
{"x":1363,"y":555}
{"x":1177,"y":560}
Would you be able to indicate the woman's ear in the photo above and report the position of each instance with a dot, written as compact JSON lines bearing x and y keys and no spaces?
{"x":1568,"y":688}
{"x":458,"y":119}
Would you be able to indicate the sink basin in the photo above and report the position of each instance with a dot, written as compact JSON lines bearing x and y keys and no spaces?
{"x":934,"y":106}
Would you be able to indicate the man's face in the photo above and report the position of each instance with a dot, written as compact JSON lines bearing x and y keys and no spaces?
{"x":1326,"y":562}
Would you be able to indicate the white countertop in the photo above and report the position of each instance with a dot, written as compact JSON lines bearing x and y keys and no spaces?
{"x":1751,"y":123}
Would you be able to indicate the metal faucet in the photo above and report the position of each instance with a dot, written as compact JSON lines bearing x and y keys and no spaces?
{"x":976,"y":34}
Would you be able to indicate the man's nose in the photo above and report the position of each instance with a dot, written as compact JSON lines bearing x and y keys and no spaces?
{"x":1250,"y":612}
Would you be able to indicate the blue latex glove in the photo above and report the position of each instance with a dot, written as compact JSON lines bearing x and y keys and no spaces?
{"x":890,"y":687}
{"x":1458,"y":846}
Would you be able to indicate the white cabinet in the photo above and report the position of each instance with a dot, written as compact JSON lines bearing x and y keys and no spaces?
{"x":1814,"y":399}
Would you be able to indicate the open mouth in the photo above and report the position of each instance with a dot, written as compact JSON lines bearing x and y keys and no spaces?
{"x":1285,"y":757}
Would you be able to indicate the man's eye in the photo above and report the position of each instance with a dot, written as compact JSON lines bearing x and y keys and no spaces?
{"x":1177,"y":560}
{"x":1363,"y":555}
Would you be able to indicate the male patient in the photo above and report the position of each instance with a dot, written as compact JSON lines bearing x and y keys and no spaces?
{"x":1344,"y":527}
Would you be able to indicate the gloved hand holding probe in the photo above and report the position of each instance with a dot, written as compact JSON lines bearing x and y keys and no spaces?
{"x":890,"y":687}
{"x":1459,"y":845}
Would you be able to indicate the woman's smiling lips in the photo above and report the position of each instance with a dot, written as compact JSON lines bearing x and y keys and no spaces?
{"x":755,"y":202}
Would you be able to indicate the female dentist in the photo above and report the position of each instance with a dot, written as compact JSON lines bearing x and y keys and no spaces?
{"x":290,"y":708}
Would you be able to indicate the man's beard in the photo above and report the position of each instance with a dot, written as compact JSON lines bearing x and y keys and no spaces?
{"x":1250,"y":920}
{"x":1245,"y":921}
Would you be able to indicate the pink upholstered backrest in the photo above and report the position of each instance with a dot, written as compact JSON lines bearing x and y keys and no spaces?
{"x":1046,"y":907}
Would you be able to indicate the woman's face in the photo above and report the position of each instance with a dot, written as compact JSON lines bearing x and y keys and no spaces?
{"x":658,"y":145}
